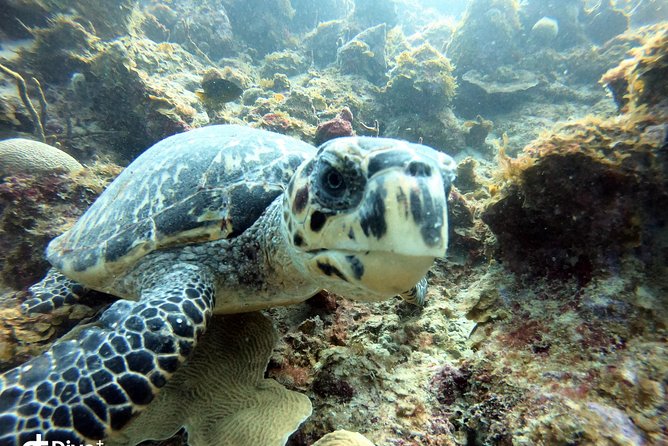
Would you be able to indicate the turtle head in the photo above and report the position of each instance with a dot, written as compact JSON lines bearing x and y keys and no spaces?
{"x":370,"y":214}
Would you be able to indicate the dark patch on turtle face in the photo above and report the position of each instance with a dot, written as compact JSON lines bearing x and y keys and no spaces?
{"x":298,"y":240}
{"x":330,"y":270}
{"x":372,"y":218}
{"x":308,"y":168}
{"x":416,"y":206}
{"x":356,"y":265}
{"x":351,"y":234}
{"x":385,"y":160}
{"x":318,"y":220}
{"x":402,"y":201}
{"x":431,"y":229}
{"x":427,"y":214}
{"x":301,"y":198}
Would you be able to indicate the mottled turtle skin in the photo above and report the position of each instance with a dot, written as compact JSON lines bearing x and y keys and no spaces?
{"x":223,"y":219}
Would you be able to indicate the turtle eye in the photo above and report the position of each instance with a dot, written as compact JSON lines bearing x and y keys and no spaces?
{"x":332,"y":181}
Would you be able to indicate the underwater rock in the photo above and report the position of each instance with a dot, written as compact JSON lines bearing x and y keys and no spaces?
{"x":310,"y":14}
{"x":420,"y":82}
{"x":340,"y":125}
{"x":440,"y":129}
{"x":488,"y":37}
{"x":199,"y":26}
{"x":108,"y":18}
{"x":438,"y":34}
{"x":605,"y":22}
{"x":104,"y":19}
{"x":642,"y":78}
{"x":24,"y":156}
{"x":546,"y":224}
{"x":287,"y":62}
{"x":131,"y":92}
{"x":477,"y":132}
{"x":35,"y":207}
{"x":544,"y":31}
{"x":261,"y":24}
{"x":490,"y":93}
{"x":62,"y":48}
{"x":567,"y":13}
{"x":279,"y":83}
{"x":18,"y":16}
{"x":364,"y":55}
{"x":324,"y":41}
{"x":506,"y":80}
{"x":368,"y":13}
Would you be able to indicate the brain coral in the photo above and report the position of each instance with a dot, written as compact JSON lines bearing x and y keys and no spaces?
{"x":221,"y":397}
{"x":18,"y":155}
{"x":343,"y":438}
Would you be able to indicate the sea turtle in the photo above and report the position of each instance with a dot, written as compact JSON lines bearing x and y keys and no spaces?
{"x":223,"y":219}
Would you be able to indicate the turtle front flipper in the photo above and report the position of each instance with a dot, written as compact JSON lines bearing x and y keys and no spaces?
{"x":89,"y":387}
{"x":416,"y":295}
{"x":53,"y":291}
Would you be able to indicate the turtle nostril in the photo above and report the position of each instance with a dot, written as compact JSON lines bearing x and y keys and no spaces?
{"x":418,"y":169}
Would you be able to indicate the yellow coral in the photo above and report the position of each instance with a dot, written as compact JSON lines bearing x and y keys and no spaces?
{"x":221,"y":395}
{"x":343,"y":438}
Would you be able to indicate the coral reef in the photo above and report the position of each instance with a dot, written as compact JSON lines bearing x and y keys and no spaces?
{"x":557,"y":363}
{"x":190,"y":24}
{"x":605,"y":22}
{"x":261,"y":24}
{"x":421,"y":81}
{"x":285,"y":62}
{"x":488,"y":36}
{"x":37,"y":119}
{"x":364,"y":55}
{"x":324,"y":41}
{"x":131,"y":93}
{"x":343,"y":438}
{"x":61,"y":49}
{"x":545,"y":323}
{"x":26,"y":157}
{"x":544,"y":222}
{"x":37,"y":206}
{"x":500,"y":90}
{"x":477,"y":132}
{"x":641,"y":79}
